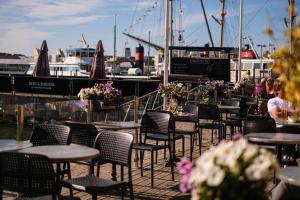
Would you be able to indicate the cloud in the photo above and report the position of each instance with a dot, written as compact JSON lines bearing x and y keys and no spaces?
{"x":22,"y":39}
{"x":70,"y":20}
{"x":52,"y":8}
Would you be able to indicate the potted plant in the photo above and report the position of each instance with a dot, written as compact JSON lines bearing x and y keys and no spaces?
{"x":105,"y":93}
{"x":232,"y":170}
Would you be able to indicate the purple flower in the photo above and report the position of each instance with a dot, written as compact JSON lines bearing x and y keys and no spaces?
{"x":184,"y":166}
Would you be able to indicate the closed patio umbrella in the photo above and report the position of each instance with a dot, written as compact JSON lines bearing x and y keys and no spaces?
{"x":42,"y":64}
{"x":98,"y":67}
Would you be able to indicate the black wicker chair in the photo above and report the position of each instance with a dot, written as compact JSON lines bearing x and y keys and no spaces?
{"x":212,"y":113}
{"x":158,"y":126}
{"x":116,"y":148}
{"x":259,"y":125}
{"x":83,"y":134}
{"x":193,"y":109}
{"x":52,"y":134}
{"x":30,"y":175}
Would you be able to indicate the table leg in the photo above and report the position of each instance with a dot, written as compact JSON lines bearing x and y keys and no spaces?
{"x":58,"y":173}
{"x":114,"y":172}
{"x":136,"y":156}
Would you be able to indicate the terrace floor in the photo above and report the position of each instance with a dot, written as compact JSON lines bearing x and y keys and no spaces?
{"x":164,"y":187}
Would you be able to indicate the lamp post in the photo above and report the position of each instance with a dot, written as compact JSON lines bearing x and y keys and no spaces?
{"x":261,"y":54}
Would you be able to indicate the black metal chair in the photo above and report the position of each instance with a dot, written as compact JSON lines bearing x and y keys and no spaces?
{"x":52,"y":134}
{"x":259,"y":125}
{"x":233,"y":124}
{"x":193,"y":109}
{"x":212,"y":113}
{"x":158,"y":126}
{"x":116,"y":148}
{"x":84,"y":134}
{"x":30,"y":175}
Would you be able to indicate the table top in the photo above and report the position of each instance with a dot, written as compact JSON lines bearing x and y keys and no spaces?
{"x":274,"y":138}
{"x":228,"y":109}
{"x":64,"y":153}
{"x":12,"y":145}
{"x":290,"y":175}
{"x":116,"y":125}
{"x":288,"y":123}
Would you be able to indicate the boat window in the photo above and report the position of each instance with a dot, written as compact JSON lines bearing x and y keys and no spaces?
{"x":77,"y":54}
{"x":91,"y":54}
{"x":84,"y":54}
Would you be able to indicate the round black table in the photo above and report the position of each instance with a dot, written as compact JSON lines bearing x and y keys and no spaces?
{"x":277,"y":139}
{"x":290,"y":175}
{"x":13,"y":145}
{"x":64,"y":153}
{"x":116,"y":125}
{"x":228,"y":109}
{"x":288,"y":123}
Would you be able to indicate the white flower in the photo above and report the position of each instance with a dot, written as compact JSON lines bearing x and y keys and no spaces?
{"x":215,"y":176}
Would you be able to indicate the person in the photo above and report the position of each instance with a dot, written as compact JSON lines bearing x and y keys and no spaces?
{"x":278,"y":107}
{"x":267,"y":91}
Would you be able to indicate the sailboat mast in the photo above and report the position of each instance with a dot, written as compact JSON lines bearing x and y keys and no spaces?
{"x":168,"y":18}
{"x":241,"y":41}
{"x":222,"y":22}
{"x":208,"y":29}
{"x":115,"y":40}
{"x":292,"y":20}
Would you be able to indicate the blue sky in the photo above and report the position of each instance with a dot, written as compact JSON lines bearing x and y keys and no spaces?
{"x":25,"y":24}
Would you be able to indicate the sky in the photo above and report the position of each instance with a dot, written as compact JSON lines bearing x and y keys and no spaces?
{"x":25,"y":24}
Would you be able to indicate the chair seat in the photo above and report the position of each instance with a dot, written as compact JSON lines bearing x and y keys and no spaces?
{"x":48,"y":197}
{"x":209,"y":125}
{"x":232,"y":122}
{"x":162,"y":137}
{"x":185,"y":132}
{"x":148,"y":147}
{"x":91,"y":183}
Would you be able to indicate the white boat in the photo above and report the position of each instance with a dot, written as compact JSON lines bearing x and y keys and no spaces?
{"x":76,"y":63}
{"x":13,"y":64}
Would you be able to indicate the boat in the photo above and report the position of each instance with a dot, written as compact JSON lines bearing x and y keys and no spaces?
{"x":76,"y":63}
{"x":13,"y":64}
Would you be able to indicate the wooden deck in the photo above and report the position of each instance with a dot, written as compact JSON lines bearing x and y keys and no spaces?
{"x":164,"y":187}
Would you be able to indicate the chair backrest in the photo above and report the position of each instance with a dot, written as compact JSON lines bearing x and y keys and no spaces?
{"x":259,"y":125}
{"x":31,"y":175}
{"x":82,"y":133}
{"x":50,"y":134}
{"x":189,"y":108}
{"x":230,"y":102}
{"x":114,"y":147}
{"x":160,"y":122}
{"x":208,"y":111}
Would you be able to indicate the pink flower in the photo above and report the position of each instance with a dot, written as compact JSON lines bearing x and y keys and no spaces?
{"x":185,"y":167}
{"x":237,"y":136}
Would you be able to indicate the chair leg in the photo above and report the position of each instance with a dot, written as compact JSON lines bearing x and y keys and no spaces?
{"x":131,"y":191}
{"x":191,"y":147}
{"x":200,"y":140}
{"x":165,"y":143}
{"x":122,"y":173}
{"x":152,"y":169}
{"x":156,"y":153}
{"x":172,"y":162}
{"x":94,"y":196}
{"x":141,"y":161}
